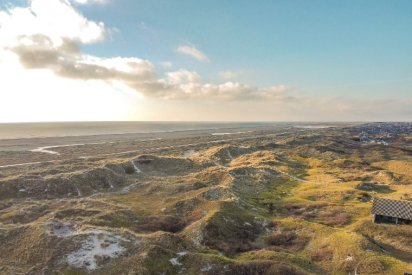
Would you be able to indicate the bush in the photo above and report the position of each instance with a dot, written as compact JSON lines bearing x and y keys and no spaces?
{"x":262,"y":267}
{"x":324,"y":253}
{"x":288,"y":240}
{"x":380,"y":188}
{"x":335,"y":217}
{"x":194,"y":216}
{"x":371,"y":266}
{"x":129,"y":169}
{"x":282,"y":238}
{"x":364,"y":197}
{"x":232,"y":230}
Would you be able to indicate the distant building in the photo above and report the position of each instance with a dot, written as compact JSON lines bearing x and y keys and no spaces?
{"x":392,"y":211}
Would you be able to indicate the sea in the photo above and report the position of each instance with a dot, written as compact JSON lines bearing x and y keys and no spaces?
{"x":64,"y":129}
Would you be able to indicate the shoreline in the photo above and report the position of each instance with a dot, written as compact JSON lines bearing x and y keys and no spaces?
{"x":58,"y":130}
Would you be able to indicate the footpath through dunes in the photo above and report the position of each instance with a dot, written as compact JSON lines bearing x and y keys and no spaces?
{"x":268,"y":205}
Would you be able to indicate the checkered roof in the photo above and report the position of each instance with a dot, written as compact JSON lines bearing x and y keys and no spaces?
{"x":392,"y":208}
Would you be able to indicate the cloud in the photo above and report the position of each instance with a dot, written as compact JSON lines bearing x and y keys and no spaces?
{"x":45,"y":49}
{"x":228,"y":74}
{"x":182,"y":76}
{"x":66,"y":60}
{"x":88,"y":2}
{"x":193,"y":52}
{"x":53,"y":42}
{"x":166,"y":64}
{"x":63,"y":23}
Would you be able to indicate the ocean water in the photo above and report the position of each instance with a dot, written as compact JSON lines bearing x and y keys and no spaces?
{"x":62,"y":129}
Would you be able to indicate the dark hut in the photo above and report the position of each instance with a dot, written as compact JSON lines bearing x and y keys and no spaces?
{"x":392,"y":211}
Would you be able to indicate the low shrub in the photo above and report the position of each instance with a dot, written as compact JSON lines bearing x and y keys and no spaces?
{"x":324,"y":253}
{"x":262,"y":267}
{"x":335,"y":217}
{"x":288,"y":240}
{"x":129,"y":169}
{"x":371,"y":266}
{"x":282,"y":238}
{"x":380,"y":188}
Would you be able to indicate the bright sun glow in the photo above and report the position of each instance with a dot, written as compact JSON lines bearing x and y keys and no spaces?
{"x":39,"y":95}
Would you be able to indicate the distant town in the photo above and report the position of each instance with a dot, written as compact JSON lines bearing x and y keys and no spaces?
{"x":381,"y":133}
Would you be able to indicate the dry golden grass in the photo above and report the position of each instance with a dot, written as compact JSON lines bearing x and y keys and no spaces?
{"x":396,"y":166}
{"x":301,"y":205}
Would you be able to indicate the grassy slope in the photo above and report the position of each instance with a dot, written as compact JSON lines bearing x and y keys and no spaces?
{"x":232,"y":210}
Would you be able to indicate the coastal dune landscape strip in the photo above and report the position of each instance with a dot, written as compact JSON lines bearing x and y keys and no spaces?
{"x":130,"y":151}
{"x":280,"y":193}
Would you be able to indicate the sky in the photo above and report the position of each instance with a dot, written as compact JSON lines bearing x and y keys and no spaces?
{"x":216,"y":60}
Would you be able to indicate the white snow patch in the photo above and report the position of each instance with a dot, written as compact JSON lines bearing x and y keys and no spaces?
{"x":94,"y":244}
{"x":175,"y":261}
{"x":136,"y":168}
{"x":217,"y":163}
{"x":349,"y":259}
{"x":183,"y":253}
{"x":97,"y":244}
{"x":128,"y":188}
{"x":189,"y":153}
{"x":45,"y":150}
{"x":197,"y":239}
{"x":207,"y":268}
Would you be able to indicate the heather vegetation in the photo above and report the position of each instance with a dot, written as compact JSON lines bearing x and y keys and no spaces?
{"x":295,"y":203}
